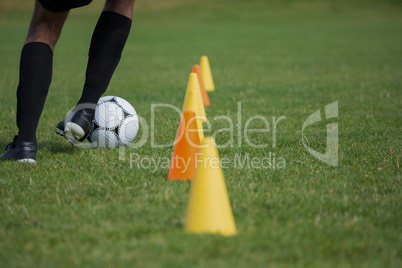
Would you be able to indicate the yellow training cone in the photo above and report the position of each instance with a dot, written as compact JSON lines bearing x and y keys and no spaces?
{"x":193,"y":104}
{"x":193,"y":85}
{"x":208,"y":209}
{"x":207,"y":74}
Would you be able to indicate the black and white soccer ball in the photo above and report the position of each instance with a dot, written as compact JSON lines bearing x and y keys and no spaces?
{"x":115,"y":123}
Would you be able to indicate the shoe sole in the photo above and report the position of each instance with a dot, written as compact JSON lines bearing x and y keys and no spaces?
{"x":23,"y":160}
{"x":72,"y":132}
{"x":27,"y":161}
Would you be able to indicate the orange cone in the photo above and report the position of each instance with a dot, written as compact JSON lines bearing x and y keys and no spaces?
{"x":204,"y":94}
{"x":183,"y":164}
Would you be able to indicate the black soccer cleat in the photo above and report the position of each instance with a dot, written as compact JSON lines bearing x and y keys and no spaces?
{"x":76,"y":126}
{"x":22,"y":151}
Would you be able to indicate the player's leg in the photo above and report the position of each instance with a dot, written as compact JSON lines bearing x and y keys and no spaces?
{"x":108,"y":40}
{"x":107,"y":43}
{"x":36,"y":68}
{"x":35,"y":77}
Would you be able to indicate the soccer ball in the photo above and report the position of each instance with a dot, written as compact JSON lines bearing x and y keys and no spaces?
{"x":115,"y":123}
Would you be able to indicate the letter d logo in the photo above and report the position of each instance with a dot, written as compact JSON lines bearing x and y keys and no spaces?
{"x":331,"y":152}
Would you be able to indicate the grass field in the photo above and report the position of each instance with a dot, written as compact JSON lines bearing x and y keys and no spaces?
{"x":87,"y":208}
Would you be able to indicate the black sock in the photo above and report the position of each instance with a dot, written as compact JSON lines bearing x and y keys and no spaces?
{"x":35,"y":77}
{"x":108,"y":40}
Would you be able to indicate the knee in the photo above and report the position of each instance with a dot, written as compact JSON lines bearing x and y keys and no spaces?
{"x":46,"y":27}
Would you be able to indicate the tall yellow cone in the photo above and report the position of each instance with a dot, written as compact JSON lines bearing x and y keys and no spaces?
{"x":193,"y":85}
{"x":207,"y":74}
{"x":193,"y":104}
{"x":209,"y":209}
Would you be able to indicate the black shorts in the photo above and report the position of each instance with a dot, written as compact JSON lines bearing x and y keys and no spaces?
{"x":63,"y":5}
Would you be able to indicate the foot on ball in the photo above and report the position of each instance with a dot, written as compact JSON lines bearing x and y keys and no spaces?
{"x":76,"y":126}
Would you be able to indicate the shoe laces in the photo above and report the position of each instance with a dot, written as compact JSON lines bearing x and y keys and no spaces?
{"x":13,"y":142}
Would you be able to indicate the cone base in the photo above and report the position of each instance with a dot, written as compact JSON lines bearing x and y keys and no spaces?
{"x":214,"y":232}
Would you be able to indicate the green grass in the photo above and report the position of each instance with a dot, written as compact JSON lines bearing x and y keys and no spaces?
{"x":87,"y":208}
